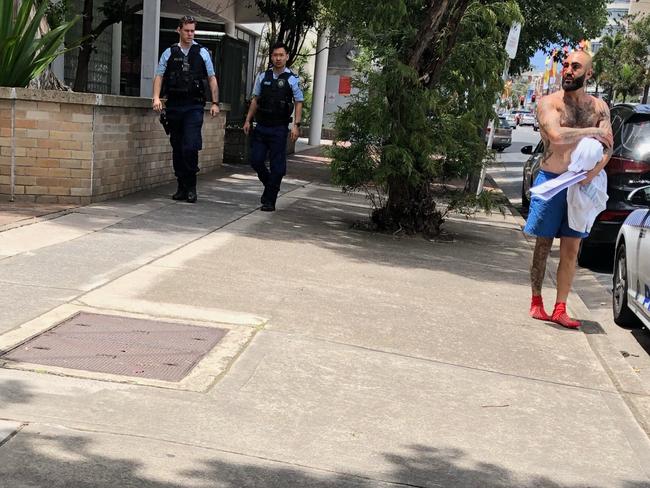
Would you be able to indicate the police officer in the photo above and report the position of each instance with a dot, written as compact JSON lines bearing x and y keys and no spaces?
{"x":274,"y":95}
{"x":184,"y":72}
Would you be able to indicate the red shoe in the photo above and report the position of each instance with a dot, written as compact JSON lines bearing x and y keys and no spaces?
{"x":537,"y":308}
{"x":560,"y":317}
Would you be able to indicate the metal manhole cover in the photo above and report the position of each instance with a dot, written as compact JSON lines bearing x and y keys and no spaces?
{"x":120,"y":345}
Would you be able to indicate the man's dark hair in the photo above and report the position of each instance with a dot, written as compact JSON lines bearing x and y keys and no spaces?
{"x":279,"y":45}
{"x":186,"y":19}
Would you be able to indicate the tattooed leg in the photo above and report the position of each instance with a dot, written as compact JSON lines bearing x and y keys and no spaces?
{"x":538,"y":267}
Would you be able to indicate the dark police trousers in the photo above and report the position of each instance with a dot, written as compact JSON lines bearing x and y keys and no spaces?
{"x":185,"y":124}
{"x":272,"y":141}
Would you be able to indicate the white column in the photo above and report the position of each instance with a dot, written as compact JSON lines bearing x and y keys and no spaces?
{"x":150,"y":39}
{"x":230,"y":28}
{"x":116,"y":60}
{"x":320,"y":81}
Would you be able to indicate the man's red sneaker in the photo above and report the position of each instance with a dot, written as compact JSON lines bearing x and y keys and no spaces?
{"x":537,"y":308}
{"x":560,"y":317}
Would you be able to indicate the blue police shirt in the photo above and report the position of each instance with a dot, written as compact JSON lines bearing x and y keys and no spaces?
{"x":162,"y":65}
{"x":294,"y":83}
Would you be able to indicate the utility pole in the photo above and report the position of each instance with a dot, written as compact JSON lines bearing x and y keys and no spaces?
{"x":511,"y":48}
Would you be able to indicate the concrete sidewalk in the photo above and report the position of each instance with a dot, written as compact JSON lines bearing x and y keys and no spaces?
{"x":368,"y":360}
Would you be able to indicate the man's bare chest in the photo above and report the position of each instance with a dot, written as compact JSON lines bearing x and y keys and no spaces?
{"x":579,"y":116}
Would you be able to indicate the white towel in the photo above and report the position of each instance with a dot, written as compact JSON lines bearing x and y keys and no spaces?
{"x":585,"y":202}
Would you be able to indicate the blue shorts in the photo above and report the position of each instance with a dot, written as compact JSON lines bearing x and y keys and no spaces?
{"x":549,"y":218}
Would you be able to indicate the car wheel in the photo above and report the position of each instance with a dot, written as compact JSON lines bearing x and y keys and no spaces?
{"x":622,"y":314}
{"x":525,"y":201}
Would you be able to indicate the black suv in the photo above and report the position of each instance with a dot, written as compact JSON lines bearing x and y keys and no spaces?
{"x":629,"y":168}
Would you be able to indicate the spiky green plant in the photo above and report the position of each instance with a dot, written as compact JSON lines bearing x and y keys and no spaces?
{"x":24,"y":51}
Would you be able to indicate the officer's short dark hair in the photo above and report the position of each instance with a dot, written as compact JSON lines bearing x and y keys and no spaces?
{"x":186,"y":19}
{"x":279,"y":45}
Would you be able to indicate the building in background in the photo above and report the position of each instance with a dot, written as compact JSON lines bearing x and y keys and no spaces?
{"x":616,"y":11}
{"x":126,"y":54}
{"x":640,"y":7}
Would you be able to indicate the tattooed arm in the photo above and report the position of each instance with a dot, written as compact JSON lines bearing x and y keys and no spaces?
{"x":549,"y":125}
{"x":605,"y":124}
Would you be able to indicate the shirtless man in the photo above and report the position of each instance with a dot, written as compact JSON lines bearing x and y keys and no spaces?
{"x":565,"y":117}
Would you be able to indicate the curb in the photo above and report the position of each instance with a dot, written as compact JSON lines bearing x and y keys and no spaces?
{"x":624,"y":379}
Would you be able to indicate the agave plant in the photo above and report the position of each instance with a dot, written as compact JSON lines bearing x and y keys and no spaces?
{"x":25,"y":51}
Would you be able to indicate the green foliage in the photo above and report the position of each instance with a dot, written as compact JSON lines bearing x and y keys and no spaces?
{"x":398,"y":135}
{"x":621,"y":64}
{"x":24,"y":52}
{"x":289,"y":21}
{"x":557,"y":22}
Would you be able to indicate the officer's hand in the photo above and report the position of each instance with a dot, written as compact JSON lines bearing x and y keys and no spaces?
{"x":214,"y":109}
{"x":294,"y":133}
{"x":247,"y":127}
{"x":157,"y":105}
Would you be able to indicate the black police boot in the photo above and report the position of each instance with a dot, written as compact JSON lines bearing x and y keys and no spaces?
{"x":191,"y":195}
{"x":181,"y":192}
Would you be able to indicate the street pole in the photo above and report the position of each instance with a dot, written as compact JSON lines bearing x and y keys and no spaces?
{"x":492,"y":128}
{"x":511,"y":48}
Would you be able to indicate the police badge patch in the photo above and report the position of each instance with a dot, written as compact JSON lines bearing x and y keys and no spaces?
{"x":281,"y":83}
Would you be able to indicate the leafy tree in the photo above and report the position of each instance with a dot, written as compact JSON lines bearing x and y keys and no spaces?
{"x":289,"y":21}
{"x":26,"y":50}
{"x":430,"y":72}
{"x":621,"y":64}
{"x":607,"y":63}
{"x":113,"y":11}
{"x":640,"y":31}
{"x":557,"y":22}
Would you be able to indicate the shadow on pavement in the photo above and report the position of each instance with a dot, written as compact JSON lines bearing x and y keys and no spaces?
{"x":62,"y":460}
{"x":13,"y":392}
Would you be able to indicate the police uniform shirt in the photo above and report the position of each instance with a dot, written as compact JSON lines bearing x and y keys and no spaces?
{"x":294,"y":83}
{"x":205,"y":54}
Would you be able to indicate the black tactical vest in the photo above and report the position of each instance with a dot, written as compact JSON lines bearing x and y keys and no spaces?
{"x":275,"y":103}
{"x":185,"y":81}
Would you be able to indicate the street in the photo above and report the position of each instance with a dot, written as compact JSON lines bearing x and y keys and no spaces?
{"x":592,"y":285}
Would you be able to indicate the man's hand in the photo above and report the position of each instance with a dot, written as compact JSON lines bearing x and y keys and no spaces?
{"x":590,"y":176}
{"x":295,"y":133}
{"x":157,"y":105}
{"x":247,"y":127}
{"x":605,"y":137}
{"x":214,"y":109}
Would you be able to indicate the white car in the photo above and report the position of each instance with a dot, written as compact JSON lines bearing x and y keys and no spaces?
{"x":631,"y":293}
{"x":527,"y":118}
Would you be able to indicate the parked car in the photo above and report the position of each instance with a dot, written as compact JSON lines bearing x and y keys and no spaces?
{"x":631,"y":280}
{"x":502,"y":135}
{"x":628,"y":169}
{"x":531,"y":168}
{"x":512,"y":119}
{"x":527,"y":118}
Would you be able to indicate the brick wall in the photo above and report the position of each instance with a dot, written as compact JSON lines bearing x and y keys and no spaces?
{"x":77,"y":148}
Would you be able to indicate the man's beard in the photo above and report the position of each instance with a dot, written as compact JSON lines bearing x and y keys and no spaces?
{"x":574,"y":84}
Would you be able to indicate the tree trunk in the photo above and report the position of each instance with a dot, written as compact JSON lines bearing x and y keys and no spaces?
{"x":83,"y":61}
{"x":81,"y":76}
{"x":47,"y":80}
{"x":646,"y":88}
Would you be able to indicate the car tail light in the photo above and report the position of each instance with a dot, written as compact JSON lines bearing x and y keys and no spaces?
{"x":613,"y":215}
{"x":617,"y":165}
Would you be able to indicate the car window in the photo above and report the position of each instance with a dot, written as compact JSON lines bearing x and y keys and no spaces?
{"x":503,"y":123}
{"x":635,"y":139}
